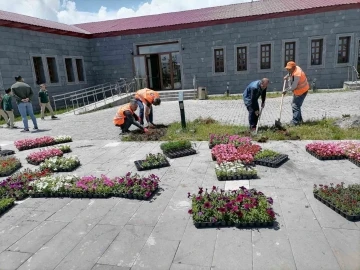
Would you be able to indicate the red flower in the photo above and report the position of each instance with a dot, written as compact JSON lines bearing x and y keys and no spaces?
{"x":207,"y":205}
{"x":190,"y":211}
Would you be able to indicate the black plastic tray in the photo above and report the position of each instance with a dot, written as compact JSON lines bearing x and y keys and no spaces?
{"x":180,"y":153}
{"x":325,"y":158}
{"x":356,"y":162}
{"x":337,"y":210}
{"x":238,"y":177}
{"x":138,"y":164}
{"x":10,"y":172}
{"x":67,"y":170}
{"x":6,"y":208}
{"x":231,"y":224}
{"x":272,"y":162}
{"x":6,"y":153}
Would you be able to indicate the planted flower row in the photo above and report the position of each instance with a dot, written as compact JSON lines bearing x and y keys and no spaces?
{"x":343,"y":200}
{"x":36,"y":158}
{"x":235,"y":140}
{"x":60,"y":164}
{"x":6,"y":204}
{"x":41,"y":142}
{"x":129,"y":186}
{"x":9,"y":165}
{"x":228,"y":152}
{"x":152,"y":161}
{"x":234,"y":171}
{"x":240,"y":208}
{"x":177,"y":149}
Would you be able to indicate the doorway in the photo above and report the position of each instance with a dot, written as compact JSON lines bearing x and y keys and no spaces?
{"x":159,"y":66}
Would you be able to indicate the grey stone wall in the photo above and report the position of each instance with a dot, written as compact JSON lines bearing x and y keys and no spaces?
{"x":17,"y":46}
{"x":112,"y":59}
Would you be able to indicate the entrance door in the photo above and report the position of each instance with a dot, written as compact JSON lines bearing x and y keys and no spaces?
{"x":153,"y":70}
{"x":166,"y":71}
{"x":140,"y":70}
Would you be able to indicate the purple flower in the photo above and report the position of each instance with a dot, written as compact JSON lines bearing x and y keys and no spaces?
{"x":270,"y":200}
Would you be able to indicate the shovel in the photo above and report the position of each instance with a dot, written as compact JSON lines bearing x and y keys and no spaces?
{"x":257,"y":126}
{"x":277,"y":122}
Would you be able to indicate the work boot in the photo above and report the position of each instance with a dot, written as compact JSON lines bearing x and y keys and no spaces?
{"x":123,"y":132}
{"x":53,"y":117}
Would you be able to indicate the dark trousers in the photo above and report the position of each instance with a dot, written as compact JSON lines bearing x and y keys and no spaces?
{"x":127,"y":124}
{"x":253,"y":118}
{"x":141,"y":114}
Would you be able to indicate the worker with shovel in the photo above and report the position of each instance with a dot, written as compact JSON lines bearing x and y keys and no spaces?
{"x":251,"y":95}
{"x":299,"y":85}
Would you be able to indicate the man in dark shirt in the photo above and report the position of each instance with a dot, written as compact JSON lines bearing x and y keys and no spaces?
{"x":251,"y":95}
{"x":23,"y":94}
{"x":44,"y":102}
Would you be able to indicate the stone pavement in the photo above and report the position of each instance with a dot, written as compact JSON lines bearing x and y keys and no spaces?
{"x":119,"y":234}
{"x":99,"y":126}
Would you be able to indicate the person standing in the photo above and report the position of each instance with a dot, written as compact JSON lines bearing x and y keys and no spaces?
{"x":298,"y":84}
{"x":251,"y":95}
{"x":44,"y":102}
{"x":145,"y":98}
{"x":8,"y":108}
{"x":23,"y":94}
{"x":2,"y":112}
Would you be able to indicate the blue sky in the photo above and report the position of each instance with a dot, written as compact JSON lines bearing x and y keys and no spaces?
{"x":94,"y":5}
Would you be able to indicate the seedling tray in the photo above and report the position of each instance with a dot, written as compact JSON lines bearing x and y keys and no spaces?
{"x":325,"y":158}
{"x":6,"y":153}
{"x":211,"y":146}
{"x":237,"y":177}
{"x":7,"y":173}
{"x":273,"y":162}
{"x":356,"y":162}
{"x":180,"y":153}
{"x":67,"y":170}
{"x":337,"y":210}
{"x":139,"y":167}
{"x":134,"y":197}
{"x":3,"y":210}
{"x":231,"y":224}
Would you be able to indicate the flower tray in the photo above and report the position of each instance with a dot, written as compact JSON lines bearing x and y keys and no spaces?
{"x":36,"y":146}
{"x":180,"y":153}
{"x":3,"y":210}
{"x":325,"y":158}
{"x":337,"y":210}
{"x":356,"y":162}
{"x":34,"y":162}
{"x":7,"y":173}
{"x":139,"y":167}
{"x":232,"y":224}
{"x":134,"y":197}
{"x":211,"y":146}
{"x":4,"y":153}
{"x":67,"y":170}
{"x":237,"y":177}
{"x":272,"y":162}
{"x":70,"y":195}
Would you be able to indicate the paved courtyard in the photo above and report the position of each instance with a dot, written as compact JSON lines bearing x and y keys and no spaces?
{"x":119,"y":234}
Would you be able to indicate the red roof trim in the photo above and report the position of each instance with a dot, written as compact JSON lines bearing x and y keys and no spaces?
{"x":227,"y":21}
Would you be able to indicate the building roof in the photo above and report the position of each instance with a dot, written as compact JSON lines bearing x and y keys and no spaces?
{"x":256,"y":10}
{"x":250,"y":11}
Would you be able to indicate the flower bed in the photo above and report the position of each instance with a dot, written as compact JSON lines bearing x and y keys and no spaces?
{"x":228,"y":152}
{"x":325,"y":151}
{"x":352,"y":151}
{"x":234,"y":171}
{"x":235,"y":140}
{"x":17,"y":185}
{"x":6,"y":204}
{"x":40,"y":142}
{"x":270,"y":158}
{"x":152,"y":162}
{"x":4,"y":153}
{"x":240,"y":208}
{"x":9,"y":165}
{"x":129,"y":186}
{"x":344,"y":200}
{"x":177,"y":149}
{"x":36,"y":158}
{"x":65,"y":148}
{"x":61,"y":164}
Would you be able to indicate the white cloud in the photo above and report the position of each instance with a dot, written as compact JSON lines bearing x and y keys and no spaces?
{"x":65,"y":11}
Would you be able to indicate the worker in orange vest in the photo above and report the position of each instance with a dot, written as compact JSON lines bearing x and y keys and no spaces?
{"x":145,"y":98}
{"x":298,"y":84}
{"x":125,"y":117}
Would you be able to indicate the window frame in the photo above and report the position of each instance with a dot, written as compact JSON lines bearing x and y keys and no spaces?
{"x":351,"y":49}
{"x":271,"y":69}
{"x":357,"y":53}
{"x":213,"y":60}
{"x":297,"y":43}
{"x":310,"y":39}
{"x":74,"y":67}
{"x":236,"y":46}
{"x":45,"y":68}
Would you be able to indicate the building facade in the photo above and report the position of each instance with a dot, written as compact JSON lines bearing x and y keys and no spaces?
{"x":324,"y":41}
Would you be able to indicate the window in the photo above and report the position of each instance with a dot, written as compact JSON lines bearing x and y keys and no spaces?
{"x":241,"y":57}
{"x":290,"y":48}
{"x":39,"y":70}
{"x":316,"y":52}
{"x":75,"y":71}
{"x":343,"y":50}
{"x":80,"y":70}
{"x":52,"y":68}
{"x":219,"y":60}
{"x":265,"y":56}
{"x":69,"y":70}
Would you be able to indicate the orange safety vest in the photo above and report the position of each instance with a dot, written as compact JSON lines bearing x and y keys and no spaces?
{"x":147,"y":94}
{"x":303,"y":85}
{"x":119,"y":118}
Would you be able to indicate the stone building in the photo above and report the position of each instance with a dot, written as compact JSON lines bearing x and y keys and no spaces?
{"x":228,"y":45}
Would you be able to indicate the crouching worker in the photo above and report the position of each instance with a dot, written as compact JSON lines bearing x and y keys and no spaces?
{"x":145,"y":98}
{"x":125,"y":117}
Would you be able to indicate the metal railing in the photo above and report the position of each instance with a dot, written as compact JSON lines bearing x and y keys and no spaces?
{"x":99,"y":93}
{"x":354,"y":74}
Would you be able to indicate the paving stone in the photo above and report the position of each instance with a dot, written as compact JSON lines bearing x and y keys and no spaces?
{"x":177,"y":266}
{"x":38,"y":215}
{"x":10,"y":260}
{"x":89,"y":250}
{"x":32,"y":203}
{"x":121,"y":213}
{"x":70,"y":211}
{"x":38,"y":237}
{"x":154,"y":247}
{"x":58,"y":247}
{"x":170,"y":229}
{"x":233,"y":249}
{"x":54,"y":204}
{"x":126,"y":246}
{"x":346,"y":246}
{"x":109,"y":267}
{"x":236,"y":184}
{"x":311,"y":250}
{"x":96,"y":210}
{"x":14,"y":216}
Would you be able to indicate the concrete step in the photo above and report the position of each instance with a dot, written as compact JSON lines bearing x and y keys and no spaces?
{"x":352,"y":85}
